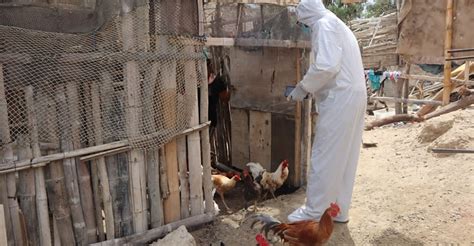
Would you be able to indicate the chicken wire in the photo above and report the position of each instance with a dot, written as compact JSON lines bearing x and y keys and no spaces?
{"x":135,"y":78}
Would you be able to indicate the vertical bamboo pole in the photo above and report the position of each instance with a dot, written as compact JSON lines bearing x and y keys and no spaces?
{"x":100,"y":162}
{"x":84,"y":178}
{"x":298,"y":169}
{"x":56,"y":189}
{"x":117,"y":165}
{"x":153,"y":162}
{"x":448,"y":39}
{"x":169,"y":179}
{"x":86,"y":104}
{"x":150,"y":126}
{"x":467,"y":71}
{"x":26,"y":192}
{"x":8,"y":181}
{"x":194,"y":139}
{"x":204,"y":117}
{"x":136,"y":157}
{"x":41,"y":197}
{"x":70,"y":171}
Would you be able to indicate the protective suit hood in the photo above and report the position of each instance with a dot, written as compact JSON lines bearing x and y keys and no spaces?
{"x":310,"y":11}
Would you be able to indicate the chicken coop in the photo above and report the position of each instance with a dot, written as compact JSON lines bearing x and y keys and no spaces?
{"x":103,"y":121}
{"x":260,"y":50}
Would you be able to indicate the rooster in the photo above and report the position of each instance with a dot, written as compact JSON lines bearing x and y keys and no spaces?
{"x":301,"y":233}
{"x":270,"y":181}
{"x":222,"y":184}
{"x":252,"y":189}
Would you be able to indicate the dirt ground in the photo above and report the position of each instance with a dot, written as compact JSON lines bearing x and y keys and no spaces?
{"x":403,"y":195}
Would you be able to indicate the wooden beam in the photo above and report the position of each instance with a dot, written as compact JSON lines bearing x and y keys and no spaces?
{"x":278,"y":2}
{"x":252,"y":42}
{"x":460,"y":50}
{"x":407,"y":101}
{"x":7,"y":167}
{"x":459,"y":58}
{"x":455,"y":151}
{"x":448,"y":86}
{"x":153,"y":234}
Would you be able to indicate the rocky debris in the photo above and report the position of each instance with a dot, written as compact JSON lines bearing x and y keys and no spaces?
{"x":179,"y":236}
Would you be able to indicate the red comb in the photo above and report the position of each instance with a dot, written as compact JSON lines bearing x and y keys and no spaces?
{"x":261,"y":240}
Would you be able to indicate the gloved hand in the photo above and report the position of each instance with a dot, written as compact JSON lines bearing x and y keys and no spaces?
{"x":298,"y":94}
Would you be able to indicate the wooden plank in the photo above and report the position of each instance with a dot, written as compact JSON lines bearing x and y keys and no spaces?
{"x":9,"y":180}
{"x":260,"y":138}
{"x":282,"y":144}
{"x":172,"y":202}
{"x":3,"y":227}
{"x":205,"y":144}
{"x":101,"y":168}
{"x":194,"y":140}
{"x":240,"y":137}
{"x":279,"y":2}
{"x":448,"y":39}
{"x":137,"y":169}
{"x":183,"y":177}
{"x":154,"y":192}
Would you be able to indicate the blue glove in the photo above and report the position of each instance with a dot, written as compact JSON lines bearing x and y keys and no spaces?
{"x":298,"y":94}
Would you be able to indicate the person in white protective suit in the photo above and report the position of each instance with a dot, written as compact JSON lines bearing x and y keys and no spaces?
{"x":336,"y":81}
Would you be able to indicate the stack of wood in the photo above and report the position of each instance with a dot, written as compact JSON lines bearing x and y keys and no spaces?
{"x":378,"y":40}
{"x":461,"y":97}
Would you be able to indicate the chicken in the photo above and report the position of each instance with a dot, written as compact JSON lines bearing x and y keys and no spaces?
{"x":252,"y":189}
{"x":301,"y":233}
{"x":270,"y":181}
{"x":222,"y":184}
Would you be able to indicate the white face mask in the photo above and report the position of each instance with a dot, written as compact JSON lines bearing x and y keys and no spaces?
{"x":304,"y":28}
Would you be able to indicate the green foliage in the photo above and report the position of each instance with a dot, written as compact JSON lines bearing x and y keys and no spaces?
{"x":380,"y":7}
{"x":345,"y":12}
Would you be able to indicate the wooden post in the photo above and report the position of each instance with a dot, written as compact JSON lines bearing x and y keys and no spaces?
{"x":42,"y":211}
{"x":169,"y":167}
{"x":83,"y":174}
{"x":136,"y":157}
{"x":297,"y":176}
{"x":306,"y":143}
{"x":467,"y":71}
{"x":3,"y":227}
{"x":406,"y":85}
{"x":100,"y":162}
{"x":204,"y":117}
{"x":70,"y":170}
{"x":399,"y":89}
{"x":448,"y":38}
{"x":9,"y":181}
{"x":205,"y":143}
{"x":194,"y":139}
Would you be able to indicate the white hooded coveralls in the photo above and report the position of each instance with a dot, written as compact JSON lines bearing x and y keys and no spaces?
{"x":336,"y":81}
